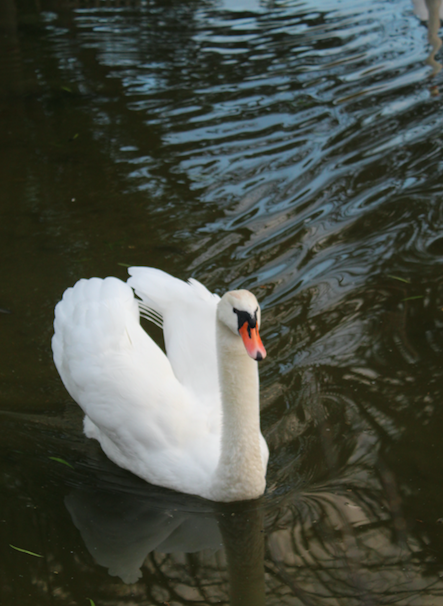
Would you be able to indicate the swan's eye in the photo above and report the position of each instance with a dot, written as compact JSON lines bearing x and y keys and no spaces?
{"x":245,"y":317}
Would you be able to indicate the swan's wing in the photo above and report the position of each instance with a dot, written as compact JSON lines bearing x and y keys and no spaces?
{"x":143,"y":417}
{"x":104,"y":358}
{"x":188,"y":310}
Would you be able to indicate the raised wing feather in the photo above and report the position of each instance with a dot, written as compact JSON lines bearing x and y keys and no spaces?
{"x":189,"y":319}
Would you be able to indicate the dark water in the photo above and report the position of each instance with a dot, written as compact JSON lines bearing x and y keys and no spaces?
{"x":292,"y":148}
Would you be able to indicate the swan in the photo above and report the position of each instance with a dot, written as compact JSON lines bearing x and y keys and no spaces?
{"x":188,"y":420}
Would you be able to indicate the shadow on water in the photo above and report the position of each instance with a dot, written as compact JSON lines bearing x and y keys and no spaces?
{"x":285,"y":147}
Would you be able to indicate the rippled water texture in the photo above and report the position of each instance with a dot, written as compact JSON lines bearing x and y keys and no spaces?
{"x":290,"y":147}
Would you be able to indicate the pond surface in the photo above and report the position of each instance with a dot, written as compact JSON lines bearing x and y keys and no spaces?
{"x":290,"y":147}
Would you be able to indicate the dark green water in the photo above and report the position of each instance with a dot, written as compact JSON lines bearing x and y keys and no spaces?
{"x":292,"y":148}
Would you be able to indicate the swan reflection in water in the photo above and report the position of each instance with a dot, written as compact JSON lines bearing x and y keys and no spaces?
{"x":127,"y":531}
{"x":323,"y":541}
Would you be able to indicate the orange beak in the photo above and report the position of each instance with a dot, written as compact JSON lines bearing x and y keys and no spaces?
{"x":252,"y":341}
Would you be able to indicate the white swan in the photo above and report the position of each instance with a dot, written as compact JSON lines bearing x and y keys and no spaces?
{"x":190,"y":420}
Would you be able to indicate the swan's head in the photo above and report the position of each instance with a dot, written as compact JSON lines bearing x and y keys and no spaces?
{"x":240,"y":312}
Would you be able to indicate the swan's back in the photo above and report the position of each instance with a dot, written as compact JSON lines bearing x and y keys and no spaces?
{"x":147,"y":414}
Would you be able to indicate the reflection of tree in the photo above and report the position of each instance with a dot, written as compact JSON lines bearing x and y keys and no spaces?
{"x":374,"y":450}
{"x":351,"y":557}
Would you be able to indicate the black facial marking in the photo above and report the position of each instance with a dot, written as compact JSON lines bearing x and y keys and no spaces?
{"x":244,"y":316}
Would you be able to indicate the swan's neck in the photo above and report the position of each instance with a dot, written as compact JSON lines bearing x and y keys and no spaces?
{"x":240,"y":473}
